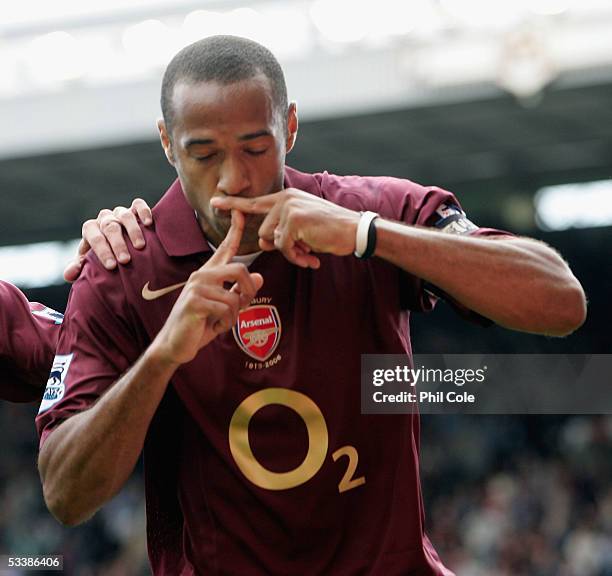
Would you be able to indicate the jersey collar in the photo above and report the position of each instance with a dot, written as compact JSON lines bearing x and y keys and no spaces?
{"x":176,"y":224}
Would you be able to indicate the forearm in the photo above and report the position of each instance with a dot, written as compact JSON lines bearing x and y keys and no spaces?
{"x":86,"y":461}
{"x":518,"y":283}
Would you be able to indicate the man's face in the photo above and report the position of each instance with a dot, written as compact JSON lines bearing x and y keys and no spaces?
{"x":228,"y":140}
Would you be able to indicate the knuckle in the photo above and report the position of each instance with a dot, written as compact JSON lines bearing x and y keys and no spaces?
{"x":87,"y":225}
{"x":100,"y":246}
{"x":111,"y":226}
{"x":193,"y":277}
{"x":124,"y":215}
{"x":295,"y":217}
{"x":189,"y":294}
{"x":98,"y":242}
{"x":292,"y":206}
{"x":291,"y":195}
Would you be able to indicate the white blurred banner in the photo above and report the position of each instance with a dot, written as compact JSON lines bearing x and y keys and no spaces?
{"x":78,"y":74}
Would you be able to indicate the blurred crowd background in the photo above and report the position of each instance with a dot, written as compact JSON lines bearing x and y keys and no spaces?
{"x":504,"y":495}
{"x":506,"y":104}
{"x":510,"y":496}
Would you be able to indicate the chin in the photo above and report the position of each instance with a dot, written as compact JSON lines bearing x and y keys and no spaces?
{"x":250,"y":243}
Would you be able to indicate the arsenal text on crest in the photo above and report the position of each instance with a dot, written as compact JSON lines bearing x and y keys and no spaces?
{"x":258,"y":331}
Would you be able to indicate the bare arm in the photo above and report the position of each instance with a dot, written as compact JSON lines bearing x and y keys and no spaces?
{"x":88,"y":458}
{"x":519,"y":283}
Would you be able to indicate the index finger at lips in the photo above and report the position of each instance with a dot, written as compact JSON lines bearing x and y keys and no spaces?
{"x":231,"y":244}
{"x":258,"y":205}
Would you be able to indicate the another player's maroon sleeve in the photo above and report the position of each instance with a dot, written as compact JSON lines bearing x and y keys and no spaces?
{"x":29,"y":333}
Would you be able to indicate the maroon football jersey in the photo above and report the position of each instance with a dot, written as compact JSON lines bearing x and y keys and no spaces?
{"x":258,"y":460}
{"x":29,"y":336}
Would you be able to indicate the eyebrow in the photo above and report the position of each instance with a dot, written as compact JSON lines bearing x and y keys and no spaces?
{"x":243,"y":138}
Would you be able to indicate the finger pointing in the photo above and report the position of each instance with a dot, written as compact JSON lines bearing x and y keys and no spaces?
{"x":231,"y":244}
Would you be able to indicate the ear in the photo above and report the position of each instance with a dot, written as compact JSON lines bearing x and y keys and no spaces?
{"x":292,"y":126}
{"x":165,"y":140}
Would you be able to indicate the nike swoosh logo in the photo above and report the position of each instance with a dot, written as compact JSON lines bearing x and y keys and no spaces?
{"x":149,"y":294}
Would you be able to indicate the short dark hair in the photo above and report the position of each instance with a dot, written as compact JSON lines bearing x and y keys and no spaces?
{"x":223,"y":59}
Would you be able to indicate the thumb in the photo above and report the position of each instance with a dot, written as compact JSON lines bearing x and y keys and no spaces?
{"x":84,"y":247}
{"x":73,"y":269}
{"x":257,"y":282}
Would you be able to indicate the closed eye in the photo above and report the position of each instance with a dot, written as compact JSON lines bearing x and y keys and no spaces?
{"x":256,"y":152}
{"x":206,"y":157}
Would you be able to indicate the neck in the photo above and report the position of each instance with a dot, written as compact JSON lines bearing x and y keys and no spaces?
{"x":248,"y":244}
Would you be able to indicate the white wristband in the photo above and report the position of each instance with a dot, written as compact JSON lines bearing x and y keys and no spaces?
{"x":361,"y":238}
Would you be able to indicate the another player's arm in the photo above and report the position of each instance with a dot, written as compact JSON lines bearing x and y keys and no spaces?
{"x":105,"y":237}
{"x":518,"y":283}
{"x":88,"y":458}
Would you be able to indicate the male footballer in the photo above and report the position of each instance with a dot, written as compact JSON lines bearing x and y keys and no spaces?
{"x":229,"y":349}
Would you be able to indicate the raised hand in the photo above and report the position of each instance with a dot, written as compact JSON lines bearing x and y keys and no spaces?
{"x":298,"y":224}
{"x":205,"y":307}
{"x":105,"y":237}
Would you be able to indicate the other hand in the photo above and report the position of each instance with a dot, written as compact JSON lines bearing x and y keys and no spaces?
{"x":298,"y":223}
{"x":104,"y":235}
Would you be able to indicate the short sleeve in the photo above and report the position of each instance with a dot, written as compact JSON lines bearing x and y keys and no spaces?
{"x":411,"y":203}
{"x":404,"y":201}
{"x":97,"y":344}
{"x":29,"y":333}
{"x":432,"y":207}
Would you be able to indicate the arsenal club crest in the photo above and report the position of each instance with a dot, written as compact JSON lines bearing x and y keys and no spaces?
{"x":258,"y":331}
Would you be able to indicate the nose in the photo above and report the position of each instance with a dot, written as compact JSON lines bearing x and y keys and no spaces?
{"x":233,"y":177}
